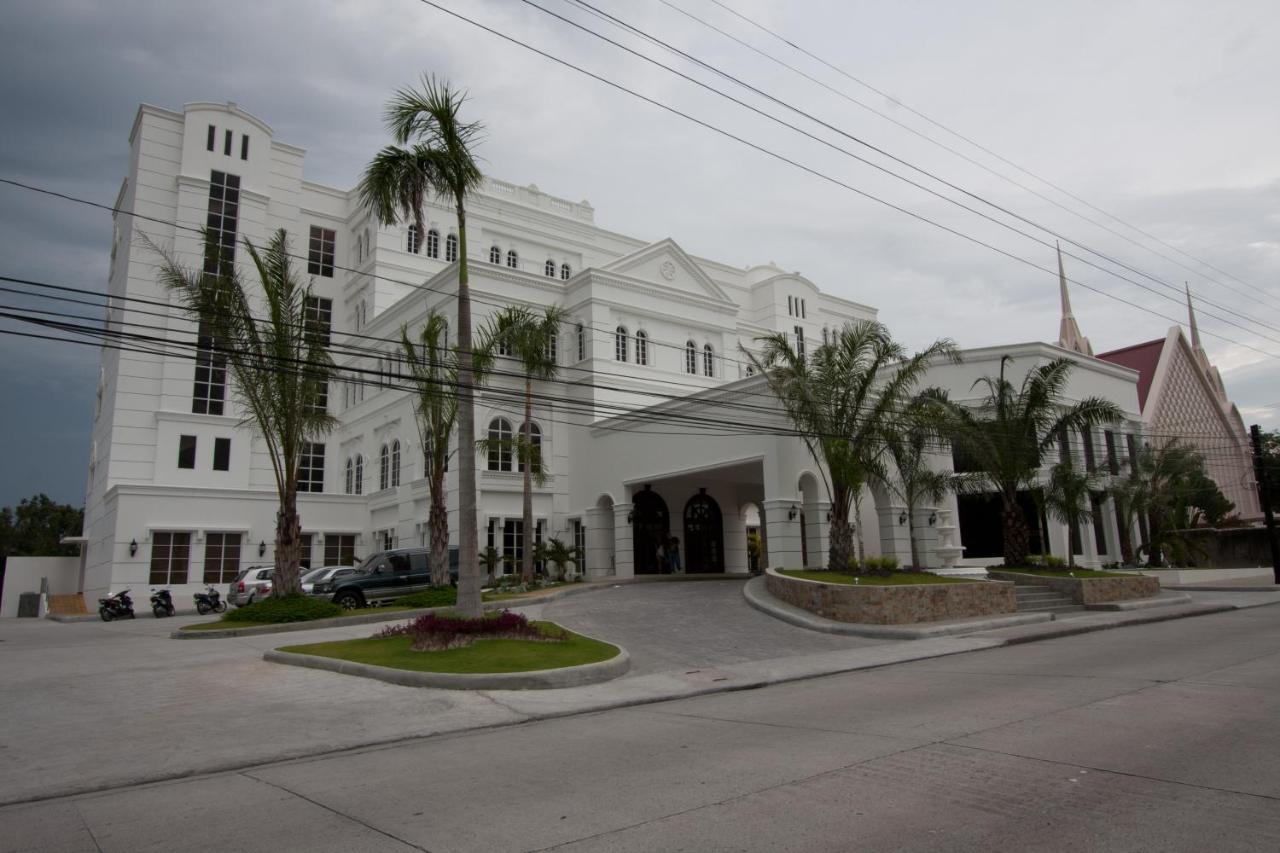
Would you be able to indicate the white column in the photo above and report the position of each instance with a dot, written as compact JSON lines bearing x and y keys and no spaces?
{"x":926,"y":536}
{"x":599,"y":535}
{"x":783,"y":533}
{"x":819,"y":529}
{"x":894,"y":539}
{"x":623,"y":552}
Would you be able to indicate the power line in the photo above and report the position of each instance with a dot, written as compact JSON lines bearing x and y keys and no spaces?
{"x":815,"y":172}
{"x":984,"y":149}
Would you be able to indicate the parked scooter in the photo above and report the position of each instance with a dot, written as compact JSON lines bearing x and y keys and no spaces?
{"x":210,"y":602}
{"x":162,"y":603}
{"x":116,"y":606}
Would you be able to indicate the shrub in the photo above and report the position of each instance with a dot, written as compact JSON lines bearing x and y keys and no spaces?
{"x":435,"y":596}
{"x":1053,"y":562}
{"x":437,"y":631}
{"x":290,"y":608}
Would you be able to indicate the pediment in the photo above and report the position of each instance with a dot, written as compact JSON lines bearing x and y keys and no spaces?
{"x":665,"y":264}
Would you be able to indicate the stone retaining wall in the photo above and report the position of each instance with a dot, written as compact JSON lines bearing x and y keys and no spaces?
{"x":1088,"y":591}
{"x":893,"y":605}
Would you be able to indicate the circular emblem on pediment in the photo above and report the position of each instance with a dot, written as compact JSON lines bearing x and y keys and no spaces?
{"x":668,"y":270}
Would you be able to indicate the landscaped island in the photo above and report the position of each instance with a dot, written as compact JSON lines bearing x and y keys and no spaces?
{"x":900,"y":598}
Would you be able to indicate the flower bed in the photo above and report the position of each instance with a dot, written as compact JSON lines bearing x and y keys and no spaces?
{"x":888,"y":604}
{"x":1086,"y":590}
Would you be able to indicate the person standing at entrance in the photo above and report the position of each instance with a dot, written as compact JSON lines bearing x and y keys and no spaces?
{"x":673,"y":556}
{"x":663,"y":566}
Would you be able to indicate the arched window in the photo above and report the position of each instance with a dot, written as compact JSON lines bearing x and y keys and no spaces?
{"x":359,"y":490}
{"x":433,"y":243}
{"x":499,"y":444}
{"x":349,"y":473}
{"x":825,"y":336}
{"x":642,"y":347}
{"x":413,"y":242}
{"x":620,"y":343}
{"x":395,"y":462}
{"x":368,"y":245}
{"x":553,"y":347}
{"x":495,"y":255}
{"x":451,"y":248}
{"x":535,"y":442}
{"x":359,"y":249}
{"x":582,"y":342}
{"x":384,"y":468}
{"x":513,"y":259}
{"x":708,"y":361}
{"x":564,"y":271}
{"x":690,"y":357}
{"x":550,"y":268}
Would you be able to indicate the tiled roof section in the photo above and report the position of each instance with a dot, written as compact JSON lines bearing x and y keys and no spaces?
{"x":1142,"y":358}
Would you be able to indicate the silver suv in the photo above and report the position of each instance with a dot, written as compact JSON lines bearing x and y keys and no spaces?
{"x":252,"y":584}
{"x":322,"y":574}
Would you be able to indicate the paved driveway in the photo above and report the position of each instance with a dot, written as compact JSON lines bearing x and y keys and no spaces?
{"x":687,"y":624}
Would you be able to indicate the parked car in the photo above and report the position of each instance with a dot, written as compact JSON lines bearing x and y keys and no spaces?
{"x":324,"y":573}
{"x":252,"y":584}
{"x":384,"y":577}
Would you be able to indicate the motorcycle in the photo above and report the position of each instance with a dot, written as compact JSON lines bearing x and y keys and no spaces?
{"x":116,"y":606}
{"x":210,"y":602}
{"x":162,"y":603}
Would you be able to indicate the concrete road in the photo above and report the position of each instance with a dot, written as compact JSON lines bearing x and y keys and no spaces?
{"x":1160,"y":737}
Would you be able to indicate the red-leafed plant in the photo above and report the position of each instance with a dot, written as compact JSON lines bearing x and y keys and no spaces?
{"x":435,"y":632}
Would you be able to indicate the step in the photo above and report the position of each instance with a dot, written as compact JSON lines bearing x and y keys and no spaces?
{"x":1053,"y":608}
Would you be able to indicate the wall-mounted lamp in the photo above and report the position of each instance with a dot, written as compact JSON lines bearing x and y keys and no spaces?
{"x":933,"y":519}
{"x":902,"y":518}
{"x":828,"y":516}
{"x":630,"y":516}
{"x":262,"y":548}
{"x":792,"y":513}
{"x":133,"y":547}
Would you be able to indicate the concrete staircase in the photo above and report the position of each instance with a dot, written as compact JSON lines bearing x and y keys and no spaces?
{"x":1041,"y":599}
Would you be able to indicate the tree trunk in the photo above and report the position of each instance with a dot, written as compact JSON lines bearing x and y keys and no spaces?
{"x":1015,"y":533}
{"x":468,"y":559}
{"x":841,"y":549}
{"x":911,"y":535}
{"x":438,"y":523}
{"x":526,"y":533}
{"x":857,"y":528}
{"x":288,"y":545}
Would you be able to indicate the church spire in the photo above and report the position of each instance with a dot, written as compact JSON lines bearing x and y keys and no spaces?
{"x":1069,"y":336}
{"x":1191,"y":313}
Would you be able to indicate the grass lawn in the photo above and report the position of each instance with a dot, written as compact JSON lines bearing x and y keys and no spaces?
{"x":1064,"y":573}
{"x":482,"y":656}
{"x":896,"y":579}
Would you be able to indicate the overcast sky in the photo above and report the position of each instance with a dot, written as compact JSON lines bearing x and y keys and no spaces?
{"x":1161,"y":113}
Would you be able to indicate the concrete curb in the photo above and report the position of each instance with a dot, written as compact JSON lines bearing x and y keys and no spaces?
{"x":368,"y":618}
{"x":548,"y":679}
{"x":1141,"y":603}
{"x":1087,"y":624}
{"x":759,"y":598}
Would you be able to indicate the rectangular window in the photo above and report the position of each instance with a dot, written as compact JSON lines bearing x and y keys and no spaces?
{"x":1113,"y":462}
{"x":1099,"y":534}
{"x":512,"y":544}
{"x":170,"y":553}
{"x":1064,"y":447}
{"x":221,"y":557}
{"x":186,"y":451}
{"x":221,"y":224}
{"x":1132,"y":444}
{"x":1086,"y":437}
{"x":579,"y":541}
{"x":800,"y":341}
{"x":222,"y":454}
{"x":790,"y":312}
{"x":244,"y":146}
{"x":493,"y":524}
{"x":320,"y":255}
{"x":212,"y":134}
{"x":317,"y":314}
{"x":339,"y":549}
{"x":304,"y":551}
{"x":802,"y":315}
{"x":226,"y":145}
{"x":311,"y":468}
{"x":1077,"y":546}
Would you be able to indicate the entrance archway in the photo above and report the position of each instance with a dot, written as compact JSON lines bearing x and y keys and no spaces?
{"x":703,"y":535}
{"x":650,"y":526}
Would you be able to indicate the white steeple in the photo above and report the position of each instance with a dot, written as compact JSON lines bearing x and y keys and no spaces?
{"x":1069,"y":336}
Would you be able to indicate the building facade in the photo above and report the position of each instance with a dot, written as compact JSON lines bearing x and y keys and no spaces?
{"x":655,"y":428}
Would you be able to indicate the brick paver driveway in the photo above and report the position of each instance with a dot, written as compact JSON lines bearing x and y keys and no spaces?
{"x":687,"y":624}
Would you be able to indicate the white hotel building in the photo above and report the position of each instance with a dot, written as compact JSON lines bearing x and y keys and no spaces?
{"x":655,"y":427}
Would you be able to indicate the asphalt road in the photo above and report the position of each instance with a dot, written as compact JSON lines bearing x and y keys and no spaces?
{"x":1159,"y":737}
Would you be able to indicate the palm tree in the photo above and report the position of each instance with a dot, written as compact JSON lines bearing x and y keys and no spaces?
{"x":915,"y":481}
{"x":559,"y":555}
{"x":530,"y":339}
{"x":1066,"y":497}
{"x":1005,"y":436}
{"x":1157,"y":487}
{"x":279,"y":362}
{"x":395,"y":186}
{"x":433,"y":369}
{"x":844,"y":400}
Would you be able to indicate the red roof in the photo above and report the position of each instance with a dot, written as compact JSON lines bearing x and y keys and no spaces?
{"x":1142,"y":358}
